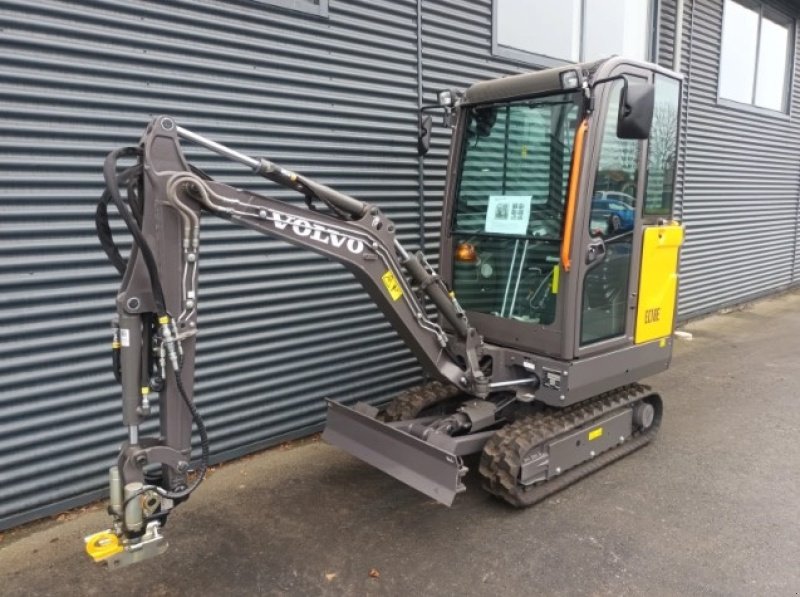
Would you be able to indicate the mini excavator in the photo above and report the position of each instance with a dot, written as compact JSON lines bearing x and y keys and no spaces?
{"x":549,"y":306}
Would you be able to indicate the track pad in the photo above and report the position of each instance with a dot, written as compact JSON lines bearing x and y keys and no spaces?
{"x":428,"y":469}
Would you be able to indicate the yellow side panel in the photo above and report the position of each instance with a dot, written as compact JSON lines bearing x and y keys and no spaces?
{"x":658,"y":282}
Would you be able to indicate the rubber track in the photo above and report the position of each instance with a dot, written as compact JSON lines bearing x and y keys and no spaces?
{"x":409,"y":403}
{"x":503,"y":453}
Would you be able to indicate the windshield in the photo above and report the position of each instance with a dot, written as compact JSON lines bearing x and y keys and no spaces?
{"x":510,"y":205}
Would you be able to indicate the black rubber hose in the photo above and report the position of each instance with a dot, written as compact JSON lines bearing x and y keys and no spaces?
{"x":116,"y":366}
{"x":204,"y":449}
{"x":104,"y":234}
{"x":110,"y":176}
{"x":102,"y":226}
{"x":132,"y":178}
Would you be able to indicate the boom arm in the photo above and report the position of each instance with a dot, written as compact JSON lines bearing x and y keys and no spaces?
{"x":160,"y":285}
{"x":363,"y":239}
{"x":353,"y":233}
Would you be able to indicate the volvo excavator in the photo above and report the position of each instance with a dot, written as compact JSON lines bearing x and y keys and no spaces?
{"x":546,"y":312}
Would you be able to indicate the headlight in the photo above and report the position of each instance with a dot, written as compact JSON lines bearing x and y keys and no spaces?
{"x":570,"y":79}
{"x":446,"y":98}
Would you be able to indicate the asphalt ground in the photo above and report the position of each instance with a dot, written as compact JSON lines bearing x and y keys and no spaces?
{"x":712,"y":507}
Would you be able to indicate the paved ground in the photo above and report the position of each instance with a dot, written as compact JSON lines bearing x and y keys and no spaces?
{"x":711,"y":508}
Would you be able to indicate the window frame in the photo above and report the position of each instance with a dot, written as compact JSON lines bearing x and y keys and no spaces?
{"x":304,"y":6}
{"x":776,"y":16}
{"x":544,"y":61}
{"x":465,"y":140}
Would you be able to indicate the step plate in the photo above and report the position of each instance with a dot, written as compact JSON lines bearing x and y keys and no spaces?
{"x":428,"y":469}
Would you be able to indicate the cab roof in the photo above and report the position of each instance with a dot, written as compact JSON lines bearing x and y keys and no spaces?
{"x":527,"y":84}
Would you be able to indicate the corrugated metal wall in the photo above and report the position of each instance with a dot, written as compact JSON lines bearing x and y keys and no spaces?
{"x":666,"y":45}
{"x":281,"y":328}
{"x":456,"y":52}
{"x":334,"y":97}
{"x":741,"y":174}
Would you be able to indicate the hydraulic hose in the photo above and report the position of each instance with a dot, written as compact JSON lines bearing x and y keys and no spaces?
{"x":102,"y":226}
{"x":110,"y":176}
{"x":204,"y":447}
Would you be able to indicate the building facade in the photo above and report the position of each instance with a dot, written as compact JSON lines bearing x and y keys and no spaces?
{"x":330,"y":88}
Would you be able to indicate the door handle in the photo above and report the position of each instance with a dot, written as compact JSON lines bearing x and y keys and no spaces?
{"x":595,"y":251}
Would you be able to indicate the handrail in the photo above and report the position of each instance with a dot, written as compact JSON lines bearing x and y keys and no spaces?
{"x":572,"y":194}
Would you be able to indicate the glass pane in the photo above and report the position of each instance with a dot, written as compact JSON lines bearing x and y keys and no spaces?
{"x":510,"y":205}
{"x":737,"y":64}
{"x":613,"y":216}
{"x":616,"y":27}
{"x":547,"y":27}
{"x":662,"y":154}
{"x":772,"y":58}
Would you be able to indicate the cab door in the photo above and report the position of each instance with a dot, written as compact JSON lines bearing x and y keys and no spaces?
{"x":630,"y":190}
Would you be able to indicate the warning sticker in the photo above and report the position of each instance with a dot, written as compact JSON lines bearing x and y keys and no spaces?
{"x":125,"y":337}
{"x":556,"y":276}
{"x":595,"y":433}
{"x":392,"y":285}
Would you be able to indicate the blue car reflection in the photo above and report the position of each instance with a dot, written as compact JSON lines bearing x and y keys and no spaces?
{"x":616,"y":215}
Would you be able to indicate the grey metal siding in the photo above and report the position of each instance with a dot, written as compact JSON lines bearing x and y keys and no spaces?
{"x":456,"y":52}
{"x":333,"y":97}
{"x":741,"y":174}
{"x":665,"y":57}
{"x":666,"y":32}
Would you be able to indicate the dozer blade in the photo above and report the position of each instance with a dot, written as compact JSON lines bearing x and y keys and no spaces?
{"x":428,"y":469}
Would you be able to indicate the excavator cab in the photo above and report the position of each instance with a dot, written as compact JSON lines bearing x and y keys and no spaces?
{"x":550,"y":192}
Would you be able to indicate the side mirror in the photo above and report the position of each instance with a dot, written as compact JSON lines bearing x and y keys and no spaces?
{"x":636,"y":103}
{"x":424,"y":136}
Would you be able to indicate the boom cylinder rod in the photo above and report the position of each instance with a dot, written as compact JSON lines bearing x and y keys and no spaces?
{"x":274,"y":172}
{"x":218,"y":148}
{"x":260,"y":166}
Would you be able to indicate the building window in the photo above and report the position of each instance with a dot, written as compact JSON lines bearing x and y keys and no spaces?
{"x":551,"y":32}
{"x":315,"y":7}
{"x":756,"y":55}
